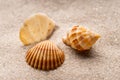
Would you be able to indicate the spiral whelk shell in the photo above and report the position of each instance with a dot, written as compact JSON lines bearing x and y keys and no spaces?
{"x":80,"y":38}
{"x":45,"y":55}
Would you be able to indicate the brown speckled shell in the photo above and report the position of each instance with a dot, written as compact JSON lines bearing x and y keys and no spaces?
{"x":80,"y":38}
{"x":45,"y":55}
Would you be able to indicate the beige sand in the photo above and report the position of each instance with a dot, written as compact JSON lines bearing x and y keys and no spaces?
{"x":101,"y":63}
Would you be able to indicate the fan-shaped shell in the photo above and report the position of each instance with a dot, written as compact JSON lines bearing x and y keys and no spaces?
{"x":45,"y":55}
{"x":80,"y":38}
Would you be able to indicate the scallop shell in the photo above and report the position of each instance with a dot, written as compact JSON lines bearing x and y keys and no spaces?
{"x":45,"y":55}
{"x":80,"y":38}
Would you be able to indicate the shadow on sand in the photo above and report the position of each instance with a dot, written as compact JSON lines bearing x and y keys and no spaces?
{"x":86,"y":54}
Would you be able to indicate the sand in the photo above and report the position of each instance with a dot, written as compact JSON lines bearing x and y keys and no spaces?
{"x":102,"y":62}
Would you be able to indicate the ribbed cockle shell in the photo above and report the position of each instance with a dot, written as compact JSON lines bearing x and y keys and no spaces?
{"x":45,"y":55}
{"x":80,"y":38}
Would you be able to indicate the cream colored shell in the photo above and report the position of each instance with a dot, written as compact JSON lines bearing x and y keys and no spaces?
{"x":45,"y":55}
{"x":36,"y":28}
{"x":80,"y":38}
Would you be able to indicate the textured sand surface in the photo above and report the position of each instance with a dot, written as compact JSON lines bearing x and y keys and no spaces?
{"x":102,"y":62}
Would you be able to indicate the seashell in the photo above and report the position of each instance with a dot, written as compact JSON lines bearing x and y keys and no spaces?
{"x":36,"y":28}
{"x":45,"y":56}
{"x":80,"y":38}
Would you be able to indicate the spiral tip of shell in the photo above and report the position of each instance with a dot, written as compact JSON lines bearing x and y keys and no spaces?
{"x":64,"y":39}
{"x":98,"y":36}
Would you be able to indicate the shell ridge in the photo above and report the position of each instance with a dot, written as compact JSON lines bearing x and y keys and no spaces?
{"x":62,"y":57}
{"x":55,"y":59}
{"x":41,"y":56}
{"x":37,"y":56}
{"x":34,"y":57}
{"x":52,"y":55}
{"x":44,"y":57}
{"x":47,"y":57}
{"x":48,"y":63}
{"x":58,"y":59}
{"x":30,"y":57}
